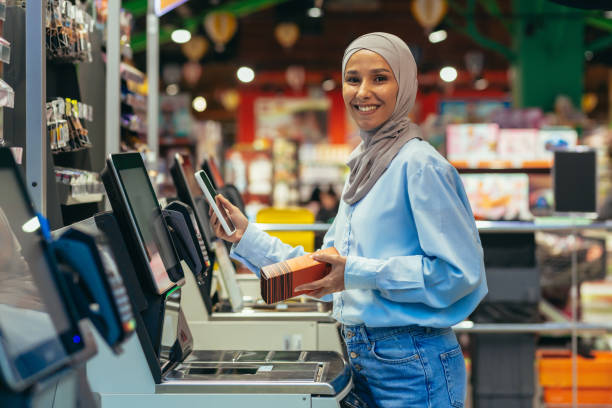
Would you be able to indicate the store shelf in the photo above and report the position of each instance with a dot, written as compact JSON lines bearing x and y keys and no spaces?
{"x":470,"y":327}
{"x":176,"y":141}
{"x":7,"y":95}
{"x":504,"y":170}
{"x":130,"y":73}
{"x":5,"y":51}
{"x":68,"y":196}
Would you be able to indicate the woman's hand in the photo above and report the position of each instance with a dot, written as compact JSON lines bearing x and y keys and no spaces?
{"x":333,"y":282}
{"x":240,"y":221}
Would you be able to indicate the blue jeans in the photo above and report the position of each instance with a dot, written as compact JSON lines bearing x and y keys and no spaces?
{"x":405,"y":367}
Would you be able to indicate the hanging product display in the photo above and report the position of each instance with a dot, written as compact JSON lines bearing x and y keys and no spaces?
{"x":67,"y":31}
{"x":64,"y":128}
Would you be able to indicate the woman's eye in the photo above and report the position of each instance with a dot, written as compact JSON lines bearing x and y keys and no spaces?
{"x":352,"y":80}
{"x":380,"y":78}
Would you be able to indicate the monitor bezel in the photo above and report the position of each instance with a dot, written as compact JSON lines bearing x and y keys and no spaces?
{"x":128,"y":161}
{"x":184,"y":194}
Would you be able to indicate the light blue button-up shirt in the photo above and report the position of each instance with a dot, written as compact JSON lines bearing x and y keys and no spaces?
{"x":413,"y":253}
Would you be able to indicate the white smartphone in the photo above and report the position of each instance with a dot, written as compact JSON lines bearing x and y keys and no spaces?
{"x":210,"y":193}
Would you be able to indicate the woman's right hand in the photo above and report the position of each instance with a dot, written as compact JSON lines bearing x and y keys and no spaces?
{"x":240,"y":221}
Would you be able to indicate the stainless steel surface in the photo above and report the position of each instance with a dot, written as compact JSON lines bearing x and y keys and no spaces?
{"x":188,"y":386}
{"x":483,"y":226}
{"x":36,"y":97}
{"x":470,"y":327}
{"x":254,"y":314}
{"x":247,"y":372}
{"x":523,"y":226}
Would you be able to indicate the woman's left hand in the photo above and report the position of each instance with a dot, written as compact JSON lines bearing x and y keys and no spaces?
{"x":333,"y":282}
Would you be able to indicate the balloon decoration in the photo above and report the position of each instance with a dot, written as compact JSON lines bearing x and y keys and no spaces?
{"x":195,"y":48}
{"x":295,"y":76}
{"x":287,"y":34}
{"x":230,"y":99}
{"x":220,"y":26}
{"x":429,"y":12}
{"x":192,"y":71}
{"x":589,"y":102}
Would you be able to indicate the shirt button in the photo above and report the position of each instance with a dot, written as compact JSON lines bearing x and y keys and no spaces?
{"x":349,"y":334}
{"x":354,"y":355}
{"x":358,"y":367}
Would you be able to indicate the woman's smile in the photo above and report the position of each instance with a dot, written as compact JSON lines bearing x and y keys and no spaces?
{"x":369,"y":89}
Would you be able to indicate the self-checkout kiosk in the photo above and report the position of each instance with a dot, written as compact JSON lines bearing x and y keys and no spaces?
{"x":51,"y":293}
{"x":289,"y":326}
{"x":160,"y":367}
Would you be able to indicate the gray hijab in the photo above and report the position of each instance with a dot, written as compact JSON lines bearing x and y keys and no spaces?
{"x":379,"y":146}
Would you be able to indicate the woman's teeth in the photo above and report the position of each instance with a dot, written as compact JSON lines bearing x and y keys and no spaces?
{"x":366,"y":108}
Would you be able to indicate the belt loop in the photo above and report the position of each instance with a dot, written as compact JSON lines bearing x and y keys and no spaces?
{"x":366,"y":337}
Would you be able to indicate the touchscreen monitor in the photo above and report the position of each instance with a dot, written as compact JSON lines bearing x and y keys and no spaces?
{"x":145,"y":214}
{"x":37,"y":331}
{"x":190,"y":193}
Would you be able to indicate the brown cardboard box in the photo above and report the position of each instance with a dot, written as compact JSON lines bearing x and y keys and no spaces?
{"x":278,"y":281}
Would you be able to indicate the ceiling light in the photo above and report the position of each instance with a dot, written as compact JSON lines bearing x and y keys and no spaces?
{"x":448,"y":74}
{"x":328,"y":85}
{"x":608,"y":14}
{"x":172,"y":89}
{"x":245,"y":74}
{"x":437,"y":36}
{"x":481,"y":84}
{"x":199,"y":104}
{"x":315,"y":12}
{"x":180,"y":36}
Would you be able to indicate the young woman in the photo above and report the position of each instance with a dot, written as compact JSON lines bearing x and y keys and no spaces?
{"x":410,"y":263}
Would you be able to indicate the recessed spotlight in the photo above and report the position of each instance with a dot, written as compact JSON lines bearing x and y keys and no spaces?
{"x":481,"y":84}
{"x":199,"y":104}
{"x":437,"y":36}
{"x":245,"y":74}
{"x":328,"y":85}
{"x":448,"y":74}
{"x":315,"y":12}
{"x":180,"y":36}
{"x":172,"y":89}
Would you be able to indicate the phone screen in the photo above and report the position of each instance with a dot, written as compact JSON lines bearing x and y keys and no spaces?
{"x":213,"y":194}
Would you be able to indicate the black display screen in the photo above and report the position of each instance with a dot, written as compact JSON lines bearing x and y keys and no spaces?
{"x":149,"y":223}
{"x":574,"y":181}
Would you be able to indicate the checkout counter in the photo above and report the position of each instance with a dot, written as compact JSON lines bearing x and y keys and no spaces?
{"x":160,"y":366}
{"x":250,"y":324}
{"x":51,"y":294}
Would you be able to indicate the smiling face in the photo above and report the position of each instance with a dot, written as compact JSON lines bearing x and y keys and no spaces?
{"x":369,"y":89}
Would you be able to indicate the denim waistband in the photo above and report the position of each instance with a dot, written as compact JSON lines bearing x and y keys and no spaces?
{"x":361,"y":333}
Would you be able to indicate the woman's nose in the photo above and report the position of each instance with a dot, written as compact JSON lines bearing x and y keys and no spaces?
{"x":364,"y":90}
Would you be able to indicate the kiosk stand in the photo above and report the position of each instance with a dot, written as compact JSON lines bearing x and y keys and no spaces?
{"x":150,"y":375}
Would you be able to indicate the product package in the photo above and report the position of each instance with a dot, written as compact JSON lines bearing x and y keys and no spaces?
{"x":278,"y":281}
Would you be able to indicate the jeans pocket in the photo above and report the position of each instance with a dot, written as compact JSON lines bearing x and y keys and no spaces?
{"x":454,"y":371}
{"x":395,"y":349}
